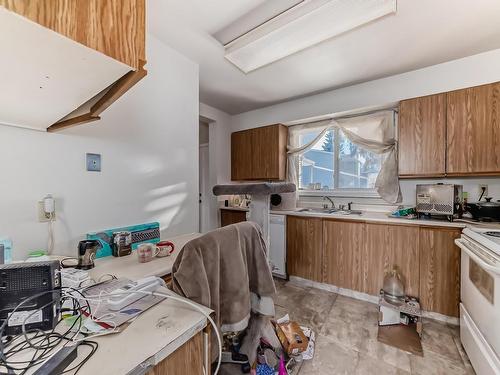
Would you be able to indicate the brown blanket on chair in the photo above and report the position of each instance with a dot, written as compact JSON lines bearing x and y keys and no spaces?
{"x":227,"y":271}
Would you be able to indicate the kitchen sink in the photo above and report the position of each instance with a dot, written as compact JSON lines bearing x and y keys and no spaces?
{"x":331,"y":211}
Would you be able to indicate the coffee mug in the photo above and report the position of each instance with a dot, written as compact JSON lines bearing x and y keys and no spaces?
{"x":147,"y":251}
{"x":165,"y":248}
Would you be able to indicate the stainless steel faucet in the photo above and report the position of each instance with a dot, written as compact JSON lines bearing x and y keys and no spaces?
{"x":331,"y":201}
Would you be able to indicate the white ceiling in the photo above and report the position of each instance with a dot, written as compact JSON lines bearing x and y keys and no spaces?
{"x":422,"y":33}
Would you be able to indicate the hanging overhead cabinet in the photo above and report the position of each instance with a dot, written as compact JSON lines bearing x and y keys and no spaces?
{"x":64,"y":62}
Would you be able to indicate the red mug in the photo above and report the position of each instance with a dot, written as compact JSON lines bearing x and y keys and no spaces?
{"x":165,"y":248}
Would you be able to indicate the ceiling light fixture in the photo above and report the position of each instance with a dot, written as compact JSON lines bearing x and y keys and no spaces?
{"x":304,"y":25}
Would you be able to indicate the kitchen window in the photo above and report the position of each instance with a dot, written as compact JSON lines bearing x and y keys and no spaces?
{"x":335,"y":163}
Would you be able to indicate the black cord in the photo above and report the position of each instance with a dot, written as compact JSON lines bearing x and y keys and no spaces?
{"x":44,"y":343}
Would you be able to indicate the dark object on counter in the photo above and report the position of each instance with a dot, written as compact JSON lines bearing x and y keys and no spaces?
{"x":486,"y":210}
{"x":59,"y":361}
{"x":87,"y":250}
{"x":2,"y":254}
{"x":226,"y":203}
{"x":121,"y":244}
{"x":30,"y":293}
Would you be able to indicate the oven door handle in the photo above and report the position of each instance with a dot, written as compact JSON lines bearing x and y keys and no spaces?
{"x":478,"y":258}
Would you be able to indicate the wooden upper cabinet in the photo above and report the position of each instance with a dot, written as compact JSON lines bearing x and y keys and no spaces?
{"x":422,"y":137}
{"x":259,"y":154}
{"x":439,"y":270}
{"x":113,"y":27}
{"x":85,"y":54}
{"x":473,"y":131}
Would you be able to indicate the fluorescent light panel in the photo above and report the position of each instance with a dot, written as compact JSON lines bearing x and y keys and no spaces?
{"x":302,"y":26}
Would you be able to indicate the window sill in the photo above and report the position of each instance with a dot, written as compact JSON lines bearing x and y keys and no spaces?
{"x":340,"y":193}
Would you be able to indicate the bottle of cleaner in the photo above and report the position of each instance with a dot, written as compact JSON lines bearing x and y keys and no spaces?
{"x":6,"y":253}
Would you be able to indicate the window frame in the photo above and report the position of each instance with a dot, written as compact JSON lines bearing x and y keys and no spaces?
{"x":336,"y":191}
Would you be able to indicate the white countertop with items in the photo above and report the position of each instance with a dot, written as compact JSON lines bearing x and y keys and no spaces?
{"x":368,"y":216}
{"x":145,"y":340}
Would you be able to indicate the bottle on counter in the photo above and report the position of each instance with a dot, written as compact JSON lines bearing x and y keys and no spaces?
{"x":5,"y":250}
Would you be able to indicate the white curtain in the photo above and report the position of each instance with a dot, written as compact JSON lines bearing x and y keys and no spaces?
{"x":373,"y":132}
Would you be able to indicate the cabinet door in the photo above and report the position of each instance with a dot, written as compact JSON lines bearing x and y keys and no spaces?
{"x":228,"y":217}
{"x":343,"y":254}
{"x":389,"y":246}
{"x":439,"y":270}
{"x":269,"y":158}
{"x":304,"y":239}
{"x":259,"y":154}
{"x":473,"y":131}
{"x":422,"y":136}
{"x":241,"y":155}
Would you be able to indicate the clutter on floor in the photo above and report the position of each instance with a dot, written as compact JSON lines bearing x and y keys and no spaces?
{"x":400,"y":316}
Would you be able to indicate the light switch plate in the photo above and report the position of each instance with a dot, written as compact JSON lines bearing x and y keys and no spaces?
{"x":94,"y":162}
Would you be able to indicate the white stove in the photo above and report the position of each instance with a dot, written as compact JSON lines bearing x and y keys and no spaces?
{"x":489,"y":238}
{"x":480,"y":298}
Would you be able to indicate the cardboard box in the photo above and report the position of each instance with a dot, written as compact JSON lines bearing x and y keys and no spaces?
{"x":292,"y":338}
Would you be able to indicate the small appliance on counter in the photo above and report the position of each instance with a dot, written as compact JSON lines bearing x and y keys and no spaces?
{"x":121,"y":243}
{"x":87,"y":251}
{"x":441,"y":200}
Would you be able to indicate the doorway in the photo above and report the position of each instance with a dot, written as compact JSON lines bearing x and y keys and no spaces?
{"x":204,"y":176}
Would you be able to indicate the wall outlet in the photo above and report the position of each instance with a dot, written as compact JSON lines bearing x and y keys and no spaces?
{"x":485,"y":187}
{"x":42,"y":217}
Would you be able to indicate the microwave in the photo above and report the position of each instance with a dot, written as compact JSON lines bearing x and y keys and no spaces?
{"x":439,"y":199}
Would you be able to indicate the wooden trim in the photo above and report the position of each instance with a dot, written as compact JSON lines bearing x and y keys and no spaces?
{"x":414,"y":176}
{"x":473,"y":174}
{"x":260,"y":127}
{"x":116,"y":90}
{"x":69,"y":123}
{"x":119,"y":88}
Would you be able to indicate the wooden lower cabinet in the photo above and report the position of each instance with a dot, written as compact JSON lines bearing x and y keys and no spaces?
{"x":188,"y":359}
{"x":440,"y":270}
{"x":356,"y":255}
{"x":389,"y":246}
{"x":305,"y":247}
{"x":343,"y":253}
{"x":228,"y":217}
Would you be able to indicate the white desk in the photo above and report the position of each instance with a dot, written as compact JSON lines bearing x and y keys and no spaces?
{"x":142,"y":345}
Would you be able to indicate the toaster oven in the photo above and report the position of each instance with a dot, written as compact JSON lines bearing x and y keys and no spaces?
{"x":439,"y":199}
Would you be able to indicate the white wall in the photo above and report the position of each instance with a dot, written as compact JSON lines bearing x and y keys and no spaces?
{"x":470,"y":71}
{"x":220,"y":152}
{"x":149,"y":146}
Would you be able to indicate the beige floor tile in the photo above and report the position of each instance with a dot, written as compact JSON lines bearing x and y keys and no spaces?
{"x":370,"y":366}
{"x":437,"y":338}
{"x":434,"y":364}
{"x":331,"y":359}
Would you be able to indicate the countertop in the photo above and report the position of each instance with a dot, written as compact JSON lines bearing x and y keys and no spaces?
{"x":129,"y":266}
{"x":143,"y":343}
{"x":366,"y":216}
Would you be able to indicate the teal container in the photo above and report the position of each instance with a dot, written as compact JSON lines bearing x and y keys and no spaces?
{"x":7,"y":249}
